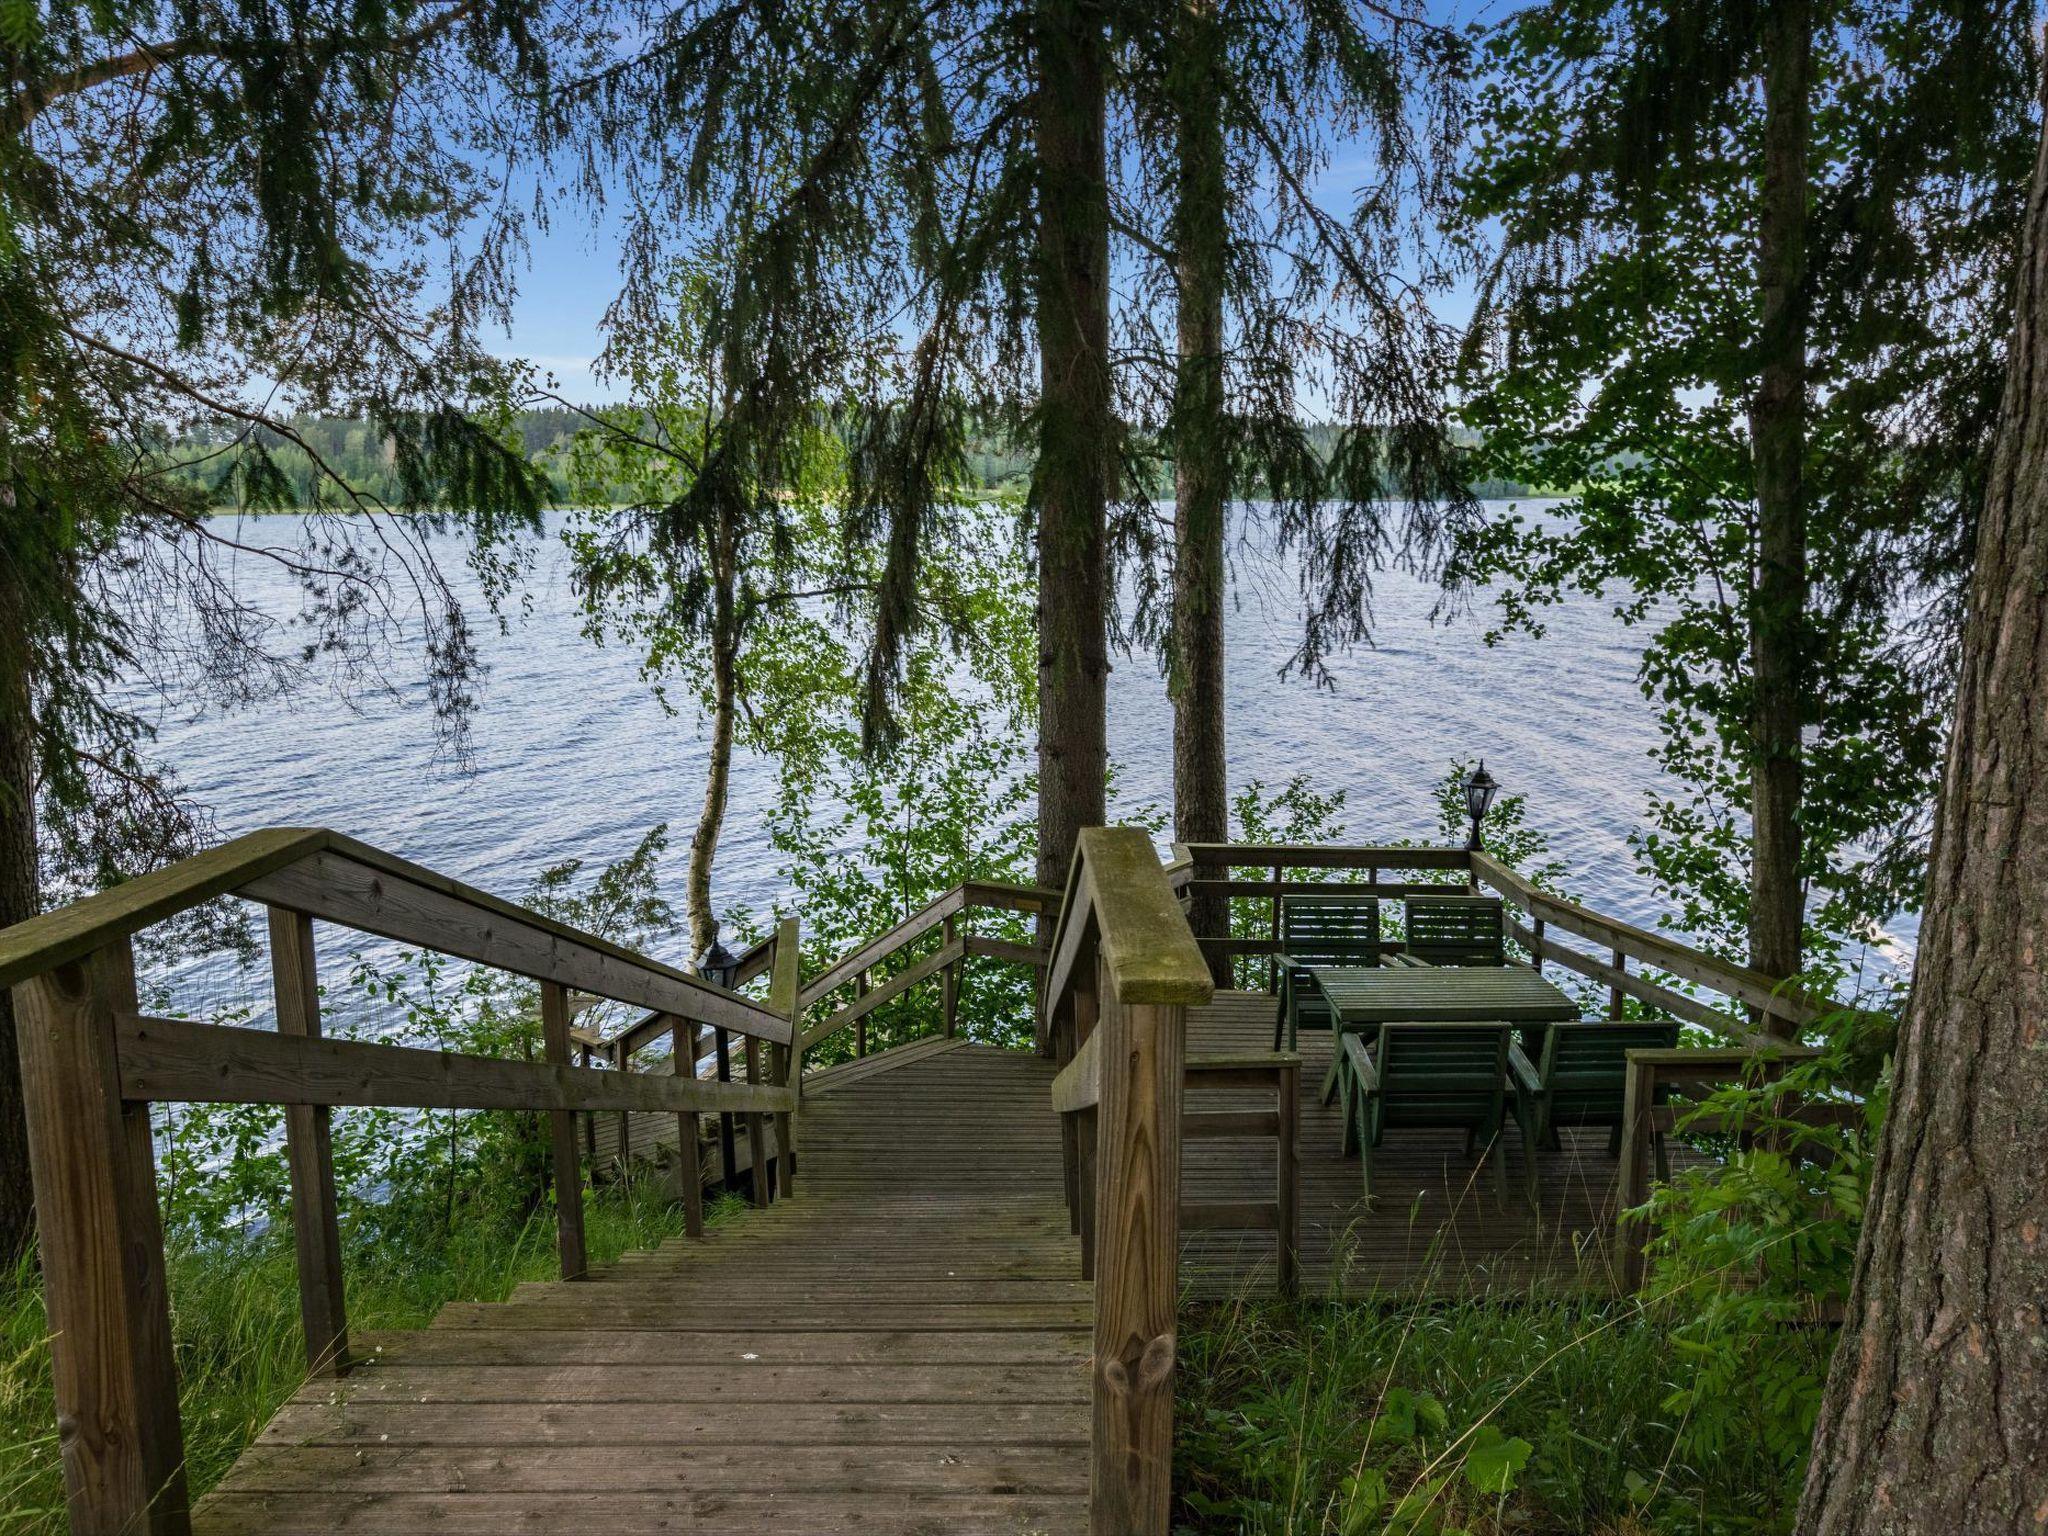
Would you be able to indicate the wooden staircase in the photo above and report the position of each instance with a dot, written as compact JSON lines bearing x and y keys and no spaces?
{"x":901,"y":1347}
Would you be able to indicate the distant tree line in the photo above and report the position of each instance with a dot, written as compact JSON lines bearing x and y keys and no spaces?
{"x":331,"y":460}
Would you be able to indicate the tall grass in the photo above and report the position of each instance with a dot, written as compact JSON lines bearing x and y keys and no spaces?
{"x":235,"y":1330}
{"x":1492,"y":1414}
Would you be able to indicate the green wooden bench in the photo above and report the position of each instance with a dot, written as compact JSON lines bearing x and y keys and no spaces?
{"x":1579,"y":1079}
{"x":1427,"y":1076}
{"x":1319,"y":930}
{"x":1455,"y":930}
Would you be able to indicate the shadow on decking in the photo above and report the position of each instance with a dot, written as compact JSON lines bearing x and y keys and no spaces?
{"x":1439,"y":1224}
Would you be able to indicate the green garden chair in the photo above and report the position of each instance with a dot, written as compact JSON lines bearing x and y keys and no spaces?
{"x":1319,"y":930}
{"x":1426,"y":1076}
{"x":1455,"y":930}
{"x":1580,"y":1078}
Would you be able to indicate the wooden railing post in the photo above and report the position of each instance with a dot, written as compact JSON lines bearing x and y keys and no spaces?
{"x":683,"y":1037}
{"x":94,"y":1168}
{"x":1085,"y":1172}
{"x":728,"y":1146}
{"x":786,"y":1066}
{"x":1288,"y":1177}
{"x":1632,"y":1179}
{"x":757,"y":1129}
{"x":860,"y":1025}
{"x":1078,"y":1025}
{"x":1137,"y":1259}
{"x":949,"y":983}
{"x":554,"y":1022}
{"x":309,"y":1148}
{"x":1614,"y":1004}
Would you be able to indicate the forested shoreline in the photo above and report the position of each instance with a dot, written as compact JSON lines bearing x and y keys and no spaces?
{"x":955,"y":355}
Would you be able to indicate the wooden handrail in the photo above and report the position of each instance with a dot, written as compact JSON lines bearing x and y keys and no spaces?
{"x":1647,"y":1072}
{"x":326,"y":875}
{"x":92,"y":1064}
{"x":183,"y":1062}
{"x":942,"y":914}
{"x":1776,"y":999}
{"x":1124,"y":970}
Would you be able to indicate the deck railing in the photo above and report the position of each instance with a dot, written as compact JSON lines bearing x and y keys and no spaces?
{"x":1124,"y":971}
{"x":1536,"y":920}
{"x":93,"y":1063}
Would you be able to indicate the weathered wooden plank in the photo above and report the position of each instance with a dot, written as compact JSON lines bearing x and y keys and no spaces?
{"x":1765,"y":993}
{"x":1005,"y":949}
{"x":309,"y":1152}
{"x":876,"y":950}
{"x":944,"y":1467}
{"x":1079,"y":1085}
{"x":1266,"y":890}
{"x":416,"y":907}
{"x":1137,"y":1214}
{"x":567,"y":1165}
{"x":1201,"y":1125}
{"x":79,"y":928}
{"x":1320,"y":856}
{"x":102,"y":1252}
{"x":182,"y":1061}
{"x":1677,"y":1004}
{"x":683,"y":1058}
{"x":894,"y":987}
{"x":295,"y":1514}
{"x":1231,"y":1215}
{"x":787,"y":1067}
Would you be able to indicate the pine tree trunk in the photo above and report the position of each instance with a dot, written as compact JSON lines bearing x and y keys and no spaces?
{"x":1936,"y":1414}
{"x":697,"y":910}
{"x":1195,"y":679}
{"x":1777,"y":424}
{"x":1071,"y":481}
{"x":20,"y":899}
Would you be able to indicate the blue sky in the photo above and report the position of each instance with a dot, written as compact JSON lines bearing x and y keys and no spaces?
{"x":574,"y":272}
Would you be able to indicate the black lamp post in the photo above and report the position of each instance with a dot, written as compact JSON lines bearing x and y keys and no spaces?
{"x":715,"y":965}
{"x":1479,"y":792}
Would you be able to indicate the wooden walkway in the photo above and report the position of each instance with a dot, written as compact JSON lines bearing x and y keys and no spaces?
{"x":902,"y":1347}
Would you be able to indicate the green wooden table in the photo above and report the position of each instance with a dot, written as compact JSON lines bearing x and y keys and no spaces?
{"x":1362,"y":998}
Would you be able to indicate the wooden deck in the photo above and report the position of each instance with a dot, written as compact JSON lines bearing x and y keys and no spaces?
{"x":1438,"y":1226}
{"x":902,"y":1347}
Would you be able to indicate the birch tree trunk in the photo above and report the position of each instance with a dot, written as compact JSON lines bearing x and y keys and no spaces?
{"x":1071,"y":481}
{"x":725,"y":645}
{"x":1936,"y":1413}
{"x":1777,"y":424}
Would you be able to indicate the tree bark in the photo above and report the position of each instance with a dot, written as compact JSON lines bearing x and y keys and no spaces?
{"x":698,"y":913}
{"x":1201,"y":464}
{"x":20,"y":899}
{"x":1071,"y":481}
{"x":1777,"y":424}
{"x":1936,"y":1413}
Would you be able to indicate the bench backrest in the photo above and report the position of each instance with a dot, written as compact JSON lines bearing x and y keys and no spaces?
{"x":1455,"y":930}
{"x":1331,"y":930}
{"x":1585,"y":1066}
{"x":1442,"y":1074}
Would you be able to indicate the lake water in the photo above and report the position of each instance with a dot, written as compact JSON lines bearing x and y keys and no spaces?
{"x":574,"y":758}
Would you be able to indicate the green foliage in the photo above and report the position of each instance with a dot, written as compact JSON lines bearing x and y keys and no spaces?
{"x":1618,"y":156}
{"x":865,"y":841}
{"x":1753,"y":1255}
{"x":1488,"y":1415}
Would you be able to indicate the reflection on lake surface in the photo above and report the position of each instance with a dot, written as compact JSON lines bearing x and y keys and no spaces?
{"x":574,"y":758}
